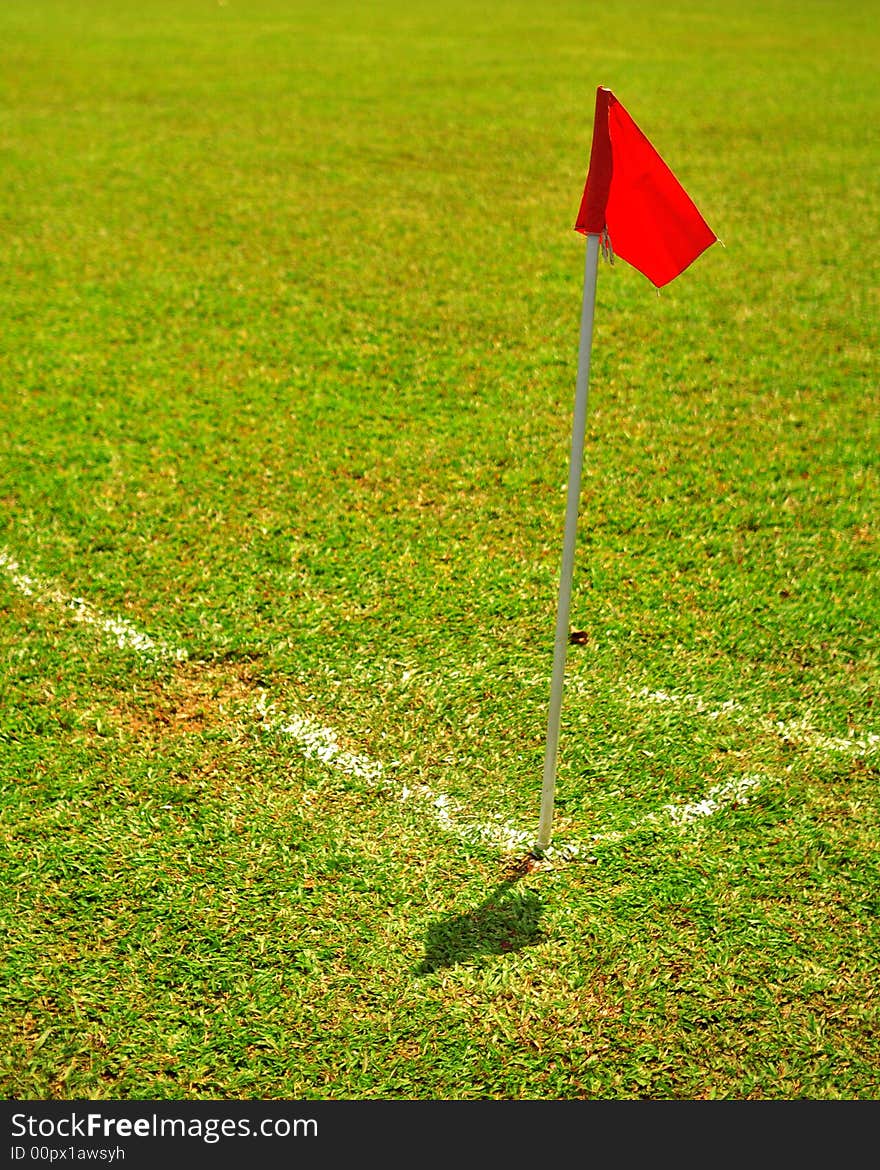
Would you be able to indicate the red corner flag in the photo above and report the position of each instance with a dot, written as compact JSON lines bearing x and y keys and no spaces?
{"x":633,"y":196}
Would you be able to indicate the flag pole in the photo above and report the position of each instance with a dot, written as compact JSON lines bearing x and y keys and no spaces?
{"x":578,"y":431}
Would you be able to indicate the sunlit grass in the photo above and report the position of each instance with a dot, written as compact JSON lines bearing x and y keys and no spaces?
{"x":289,"y":306}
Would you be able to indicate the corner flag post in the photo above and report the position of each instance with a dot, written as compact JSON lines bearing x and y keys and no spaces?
{"x":634,"y":206}
{"x":578,"y":431}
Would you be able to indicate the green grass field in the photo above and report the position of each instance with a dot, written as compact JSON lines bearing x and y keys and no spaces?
{"x":288,"y":337}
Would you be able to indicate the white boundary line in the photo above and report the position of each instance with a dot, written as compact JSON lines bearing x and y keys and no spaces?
{"x":123,"y":633}
{"x":725,"y":794}
{"x":797,"y":731}
{"x":314,"y":741}
{"x":322,"y":743}
{"x":721,"y":795}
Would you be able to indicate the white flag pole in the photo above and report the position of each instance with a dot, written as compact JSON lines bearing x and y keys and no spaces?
{"x":578,"y":431}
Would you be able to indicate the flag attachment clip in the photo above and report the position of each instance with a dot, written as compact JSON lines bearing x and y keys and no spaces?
{"x":606,"y":246}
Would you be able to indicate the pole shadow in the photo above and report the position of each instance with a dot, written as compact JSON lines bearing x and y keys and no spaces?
{"x":503,"y":923}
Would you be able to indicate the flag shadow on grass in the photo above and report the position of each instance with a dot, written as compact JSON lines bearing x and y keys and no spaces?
{"x":505,"y":922}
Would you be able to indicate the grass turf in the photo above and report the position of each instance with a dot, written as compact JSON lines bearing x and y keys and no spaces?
{"x":289,"y":309}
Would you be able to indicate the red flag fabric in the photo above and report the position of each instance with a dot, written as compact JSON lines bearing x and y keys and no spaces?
{"x":633,"y":196}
